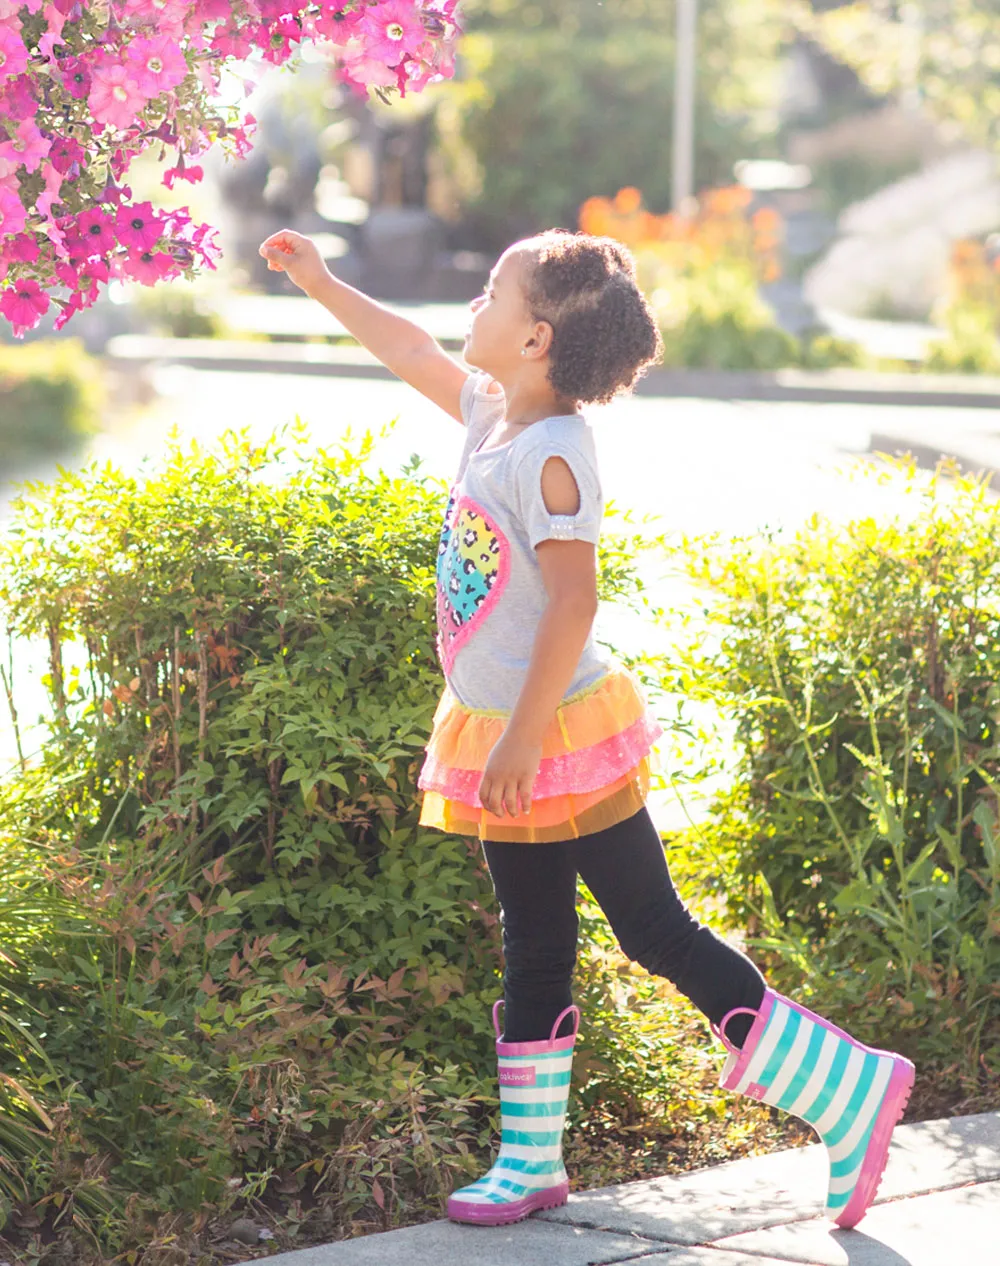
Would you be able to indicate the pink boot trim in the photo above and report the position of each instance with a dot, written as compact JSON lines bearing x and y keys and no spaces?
{"x":534,"y":1048}
{"x":741,"y":1057}
{"x":897,"y":1096}
{"x":510,"y":1210}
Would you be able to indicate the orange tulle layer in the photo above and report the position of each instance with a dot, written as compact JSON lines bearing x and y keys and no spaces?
{"x":594,"y":771}
{"x":572,"y":816}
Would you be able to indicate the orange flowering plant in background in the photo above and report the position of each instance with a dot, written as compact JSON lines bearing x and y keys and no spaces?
{"x":722,"y":230}
{"x":974,"y":278}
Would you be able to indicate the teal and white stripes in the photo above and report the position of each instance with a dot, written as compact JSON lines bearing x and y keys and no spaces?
{"x":534,"y":1090}
{"x":805,"y":1066}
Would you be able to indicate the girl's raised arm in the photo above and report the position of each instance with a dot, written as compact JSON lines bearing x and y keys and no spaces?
{"x":403,"y":347}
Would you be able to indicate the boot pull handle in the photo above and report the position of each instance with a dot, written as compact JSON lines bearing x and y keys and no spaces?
{"x":720,"y":1029}
{"x":555,"y":1028}
{"x":559,"y":1019}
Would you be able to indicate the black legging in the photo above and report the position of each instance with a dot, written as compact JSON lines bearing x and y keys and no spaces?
{"x":625,"y":868}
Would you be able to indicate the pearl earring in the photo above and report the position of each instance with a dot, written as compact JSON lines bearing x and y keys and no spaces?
{"x":524,"y":351}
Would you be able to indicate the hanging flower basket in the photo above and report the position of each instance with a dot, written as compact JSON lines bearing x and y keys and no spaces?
{"x":87,"y":85}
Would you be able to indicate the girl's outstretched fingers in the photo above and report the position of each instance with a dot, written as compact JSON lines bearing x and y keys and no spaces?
{"x":292,"y":253}
{"x":269,"y":249}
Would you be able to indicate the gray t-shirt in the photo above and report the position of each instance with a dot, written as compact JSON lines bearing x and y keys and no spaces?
{"x":490,"y":592}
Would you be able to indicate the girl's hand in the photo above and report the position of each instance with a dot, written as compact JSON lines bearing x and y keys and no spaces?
{"x":509,"y":776}
{"x":289,"y":252}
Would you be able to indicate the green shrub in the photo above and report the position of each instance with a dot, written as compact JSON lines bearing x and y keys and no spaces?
{"x":715,"y":319}
{"x":176,"y":312}
{"x":51,"y":394}
{"x":970,"y":345}
{"x":859,"y":666}
{"x":274,"y":987}
{"x":827,"y":351}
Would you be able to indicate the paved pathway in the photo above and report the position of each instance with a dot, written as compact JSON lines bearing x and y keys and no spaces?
{"x":939,"y":1203}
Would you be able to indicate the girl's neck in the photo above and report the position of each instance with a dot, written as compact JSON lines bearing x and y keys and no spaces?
{"x":526,"y":404}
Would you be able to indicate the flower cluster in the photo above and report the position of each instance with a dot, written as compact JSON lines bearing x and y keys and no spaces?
{"x":721,"y":229}
{"x":87,"y":85}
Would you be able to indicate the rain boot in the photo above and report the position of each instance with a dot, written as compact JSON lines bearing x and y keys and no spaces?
{"x":851,"y":1095}
{"x":528,"y":1173}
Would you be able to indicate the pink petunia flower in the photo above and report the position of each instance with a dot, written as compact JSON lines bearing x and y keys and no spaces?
{"x":214,"y":11}
{"x":68,"y":276}
{"x":96,"y":230}
{"x":115,"y":98}
{"x":243,"y":137}
{"x":149,"y":267}
{"x":24,"y":304}
{"x":27,"y":147}
{"x":333,"y":23}
{"x":13,"y":54}
{"x":22,"y":248}
{"x":52,"y":193}
{"x":12,"y":213}
{"x":74,"y":75}
{"x":393,"y":31}
{"x":361,"y":69}
{"x":276,"y":39}
{"x":167,"y":17}
{"x":191,"y":174}
{"x":157,"y":64}
{"x":57,"y":237}
{"x":70,"y":307}
{"x":18,"y":99}
{"x":137,"y":227}
{"x":67,"y":155}
{"x":56,"y":20}
{"x":96,"y":270}
{"x":232,"y":41}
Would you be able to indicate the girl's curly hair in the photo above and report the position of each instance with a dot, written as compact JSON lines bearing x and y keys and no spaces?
{"x":604,"y":332}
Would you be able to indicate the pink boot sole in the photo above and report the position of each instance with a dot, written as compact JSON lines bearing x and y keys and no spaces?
{"x":512,"y":1211}
{"x":896,"y":1098}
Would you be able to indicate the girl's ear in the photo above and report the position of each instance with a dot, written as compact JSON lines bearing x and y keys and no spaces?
{"x":540,"y":343}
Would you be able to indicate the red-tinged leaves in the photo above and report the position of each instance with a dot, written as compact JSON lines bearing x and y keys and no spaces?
{"x":196,"y":902}
{"x":334,"y":985}
{"x":293,"y":975}
{"x":378,"y":1195}
{"x":394,"y":987}
{"x":219,"y":873}
{"x":213,"y":939}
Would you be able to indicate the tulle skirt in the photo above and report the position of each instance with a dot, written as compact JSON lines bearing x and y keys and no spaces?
{"x":594,"y":771}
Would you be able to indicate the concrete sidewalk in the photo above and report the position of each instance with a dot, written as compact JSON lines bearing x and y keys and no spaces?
{"x":939,"y":1202}
{"x":338,"y":360}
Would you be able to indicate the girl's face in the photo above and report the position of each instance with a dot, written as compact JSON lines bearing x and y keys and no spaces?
{"x":501,"y":322}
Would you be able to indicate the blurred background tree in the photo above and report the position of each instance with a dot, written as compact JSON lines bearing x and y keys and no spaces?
{"x":943,"y":56}
{"x":562,"y":101}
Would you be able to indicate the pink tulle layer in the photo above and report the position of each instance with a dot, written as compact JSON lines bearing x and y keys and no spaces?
{"x":576,"y":773}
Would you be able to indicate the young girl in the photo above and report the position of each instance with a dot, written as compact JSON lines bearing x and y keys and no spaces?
{"x":540,"y":744}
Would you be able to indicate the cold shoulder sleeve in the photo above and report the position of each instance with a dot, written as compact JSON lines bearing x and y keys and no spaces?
{"x":539,"y":524}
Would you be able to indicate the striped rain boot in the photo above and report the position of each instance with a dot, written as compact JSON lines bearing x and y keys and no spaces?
{"x":528,"y":1173}
{"x":851,"y":1095}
